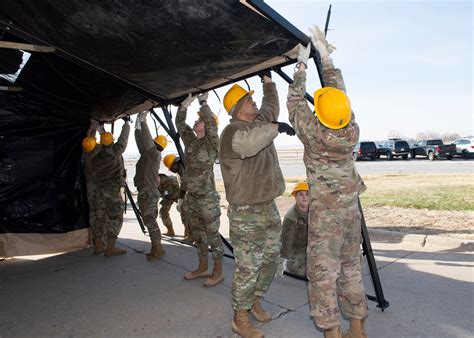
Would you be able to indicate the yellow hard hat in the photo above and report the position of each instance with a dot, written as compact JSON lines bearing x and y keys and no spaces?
{"x":161,"y":141}
{"x":168,"y":160}
{"x":300,"y":186}
{"x":332,"y":107}
{"x":106,"y":138}
{"x":216,"y":119}
{"x":88,"y":144}
{"x":233,"y":95}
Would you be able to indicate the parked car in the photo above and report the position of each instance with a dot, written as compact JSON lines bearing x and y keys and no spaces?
{"x":365,"y":149}
{"x":381,"y":150}
{"x":433,"y":149}
{"x":465,"y":147}
{"x":395,"y":148}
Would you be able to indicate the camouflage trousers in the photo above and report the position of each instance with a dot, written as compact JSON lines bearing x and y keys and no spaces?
{"x":203,"y":214}
{"x":98,"y":224}
{"x":111,"y":208}
{"x":255,"y":232}
{"x":333,"y":264}
{"x":185,"y":217}
{"x":297,"y":264}
{"x":165,"y":211}
{"x":148,"y":205}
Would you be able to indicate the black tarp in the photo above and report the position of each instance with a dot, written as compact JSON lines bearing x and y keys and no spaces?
{"x":110,"y":57}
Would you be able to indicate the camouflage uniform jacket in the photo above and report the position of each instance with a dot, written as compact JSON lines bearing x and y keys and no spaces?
{"x":169,"y":187}
{"x":330,"y":168}
{"x":253,"y":175}
{"x":108,"y":163}
{"x":198,"y":176}
{"x":295,"y":233}
{"x":148,"y":166}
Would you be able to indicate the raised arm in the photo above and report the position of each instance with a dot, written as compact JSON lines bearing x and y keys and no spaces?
{"x":120,"y":146}
{"x":185,"y":131}
{"x":210,"y":125}
{"x":144,"y":140}
{"x":300,"y":114}
{"x":270,"y":109}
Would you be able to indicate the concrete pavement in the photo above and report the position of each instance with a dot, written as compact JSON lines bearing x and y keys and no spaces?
{"x":429,"y":284}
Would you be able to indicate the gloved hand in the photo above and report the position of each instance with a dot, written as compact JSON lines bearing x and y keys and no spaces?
{"x":303,"y":53}
{"x":202,"y":98}
{"x":281,"y":267}
{"x":141,"y":118}
{"x":284,"y":128}
{"x":264,"y":73}
{"x":180,"y":203}
{"x":126,"y":118}
{"x":320,"y":43}
{"x":187,"y":101}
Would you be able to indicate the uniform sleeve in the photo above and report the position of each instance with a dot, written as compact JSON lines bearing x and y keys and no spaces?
{"x":144,"y":139}
{"x":185,"y":131}
{"x":120,"y":146}
{"x":270,"y":109}
{"x":248,"y":143}
{"x":332,"y":76}
{"x":300,"y":114}
{"x":287,"y":236}
{"x":210,"y":126}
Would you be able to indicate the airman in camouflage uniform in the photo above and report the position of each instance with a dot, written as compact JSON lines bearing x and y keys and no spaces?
{"x":169,"y":191}
{"x":295,"y":234}
{"x":333,"y":252}
{"x":147,"y":181}
{"x":110,"y":176}
{"x":202,"y":200}
{"x":178,"y":168}
{"x":252,"y":180}
{"x":98,"y":225}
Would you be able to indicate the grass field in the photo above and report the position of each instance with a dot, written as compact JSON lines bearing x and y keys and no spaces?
{"x":418,"y":191}
{"x":421,"y":191}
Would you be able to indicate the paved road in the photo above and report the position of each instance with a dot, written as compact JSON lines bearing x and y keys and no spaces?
{"x":293,"y":166}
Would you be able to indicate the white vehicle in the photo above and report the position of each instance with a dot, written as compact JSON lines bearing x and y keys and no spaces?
{"x":465,"y":147}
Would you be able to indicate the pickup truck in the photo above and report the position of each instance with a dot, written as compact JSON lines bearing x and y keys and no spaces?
{"x":433,"y":149}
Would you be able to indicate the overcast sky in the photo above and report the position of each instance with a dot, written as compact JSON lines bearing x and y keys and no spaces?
{"x":407,"y":65}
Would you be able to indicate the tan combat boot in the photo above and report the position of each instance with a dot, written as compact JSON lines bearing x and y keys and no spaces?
{"x":99,"y":246}
{"x":356,"y":329}
{"x":216,"y":276}
{"x":170,"y":230}
{"x":334,"y":332}
{"x":157,"y":251}
{"x":258,"y":313}
{"x":242,"y":325}
{"x":111,"y":250}
{"x":201,"y":271}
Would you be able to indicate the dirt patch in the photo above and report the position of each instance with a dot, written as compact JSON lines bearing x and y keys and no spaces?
{"x":459,"y":224}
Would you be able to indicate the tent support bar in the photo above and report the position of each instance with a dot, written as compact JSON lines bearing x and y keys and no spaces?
{"x":27,"y":47}
{"x":174,"y":135}
{"x":165,"y":127}
{"x":290,"y":81}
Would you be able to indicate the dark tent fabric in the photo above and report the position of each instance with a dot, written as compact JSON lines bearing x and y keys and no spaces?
{"x":111,"y":57}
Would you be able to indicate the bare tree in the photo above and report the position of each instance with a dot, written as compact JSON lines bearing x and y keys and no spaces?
{"x":449,"y":137}
{"x":428,"y":135}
